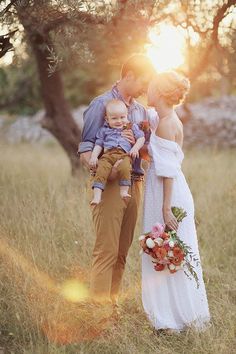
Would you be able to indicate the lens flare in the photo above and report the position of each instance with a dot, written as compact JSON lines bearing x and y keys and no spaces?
{"x":54,"y":308}
{"x":74,"y":291}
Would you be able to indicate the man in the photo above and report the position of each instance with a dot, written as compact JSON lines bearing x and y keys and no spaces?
{"x":114,"y":219}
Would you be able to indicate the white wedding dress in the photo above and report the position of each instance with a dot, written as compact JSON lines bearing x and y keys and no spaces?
{"x":170,"y":300}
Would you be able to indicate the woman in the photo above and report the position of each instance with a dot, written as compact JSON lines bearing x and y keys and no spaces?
{"x":171,"y":301}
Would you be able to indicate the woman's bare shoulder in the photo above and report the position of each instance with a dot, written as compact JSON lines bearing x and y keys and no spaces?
{"x":165,"y":130}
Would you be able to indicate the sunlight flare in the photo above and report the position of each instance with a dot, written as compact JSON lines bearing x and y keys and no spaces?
{"x":166,"y":47}
{"x":74,"y":291}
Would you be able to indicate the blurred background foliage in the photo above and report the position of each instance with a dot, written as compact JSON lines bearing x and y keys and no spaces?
{"x":89,"y":50}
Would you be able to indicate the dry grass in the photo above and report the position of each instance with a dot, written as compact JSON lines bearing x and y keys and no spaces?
{"x":47,"y":238}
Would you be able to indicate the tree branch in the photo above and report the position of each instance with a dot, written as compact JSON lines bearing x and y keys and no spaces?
{"x":73,"y":19}
{"x":8,"y":7}
{"x":5,"y":45}
{"x":220,"y":15}
{"x":122,"y":6}
{"x":214,"y":41}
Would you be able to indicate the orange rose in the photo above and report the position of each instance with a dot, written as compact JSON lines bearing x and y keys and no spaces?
{"x":156,"y":248}
{"x":177,"y":251}
{"x":160,"y":252}
{"x":152,"y":254}
{"x":159,"y":267}
{"x":172,"y":271}
{"x":143,"y":244}
{"x":163,"y":252}
{"x":176,"y":261}
{"x":165,"y":235}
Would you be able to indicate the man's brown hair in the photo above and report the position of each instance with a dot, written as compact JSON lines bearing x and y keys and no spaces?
{"x":139,"y":64}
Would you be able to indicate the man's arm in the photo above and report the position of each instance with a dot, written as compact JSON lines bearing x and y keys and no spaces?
{"x":93,"y":120}
{"x":85,"y":158}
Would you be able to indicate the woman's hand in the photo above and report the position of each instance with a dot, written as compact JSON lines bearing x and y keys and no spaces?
{"x":169,"y":219}
{"x":129,"y":135}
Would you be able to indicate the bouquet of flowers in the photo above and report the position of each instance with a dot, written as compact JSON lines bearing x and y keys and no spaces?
{"x":167,"y":250}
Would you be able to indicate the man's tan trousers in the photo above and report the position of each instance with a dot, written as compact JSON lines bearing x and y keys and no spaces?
{"x":114,"y":221}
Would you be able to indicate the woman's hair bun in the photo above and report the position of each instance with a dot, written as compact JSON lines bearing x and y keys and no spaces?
{"x":172,"y":86}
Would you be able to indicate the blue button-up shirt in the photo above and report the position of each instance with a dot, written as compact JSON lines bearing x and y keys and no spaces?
{"x":109,"y":138}
{"x":94,"y":117}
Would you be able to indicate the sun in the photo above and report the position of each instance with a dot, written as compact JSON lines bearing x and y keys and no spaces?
{"x":166,"y":47}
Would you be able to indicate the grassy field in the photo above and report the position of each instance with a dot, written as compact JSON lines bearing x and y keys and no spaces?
{"x":45,"y":251}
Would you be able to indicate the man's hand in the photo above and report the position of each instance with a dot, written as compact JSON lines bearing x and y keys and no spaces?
{"x":134,"y":152}
{"x":93,"y":162}
{"x":129,"y":135}
{"x":169,"y":219}
{"x":114,"y":170}
{"x":85,"y":158}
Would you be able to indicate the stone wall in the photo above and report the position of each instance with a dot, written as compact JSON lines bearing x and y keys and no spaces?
{"x":212,"y":122}
{"x":28,"y":128}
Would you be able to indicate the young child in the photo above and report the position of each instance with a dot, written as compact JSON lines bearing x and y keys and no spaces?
{"x":115,"y":148}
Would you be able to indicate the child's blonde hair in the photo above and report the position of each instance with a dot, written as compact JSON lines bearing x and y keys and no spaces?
{"x":172,"y":86}
{"x":115,"y":104}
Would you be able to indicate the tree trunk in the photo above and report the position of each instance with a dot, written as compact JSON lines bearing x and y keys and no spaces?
{"x":58,"y":118}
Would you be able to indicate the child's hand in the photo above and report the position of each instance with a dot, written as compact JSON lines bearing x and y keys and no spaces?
{"x":93,"y":162}
{"x":134,"y":152}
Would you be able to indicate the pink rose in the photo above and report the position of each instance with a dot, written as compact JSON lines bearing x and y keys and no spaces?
{"x":157,"y":230}
{"x":166,"y":246}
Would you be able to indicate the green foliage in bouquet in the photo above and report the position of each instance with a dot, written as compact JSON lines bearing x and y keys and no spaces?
{"x":190,"y":257}
{"x":179,"y":213}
